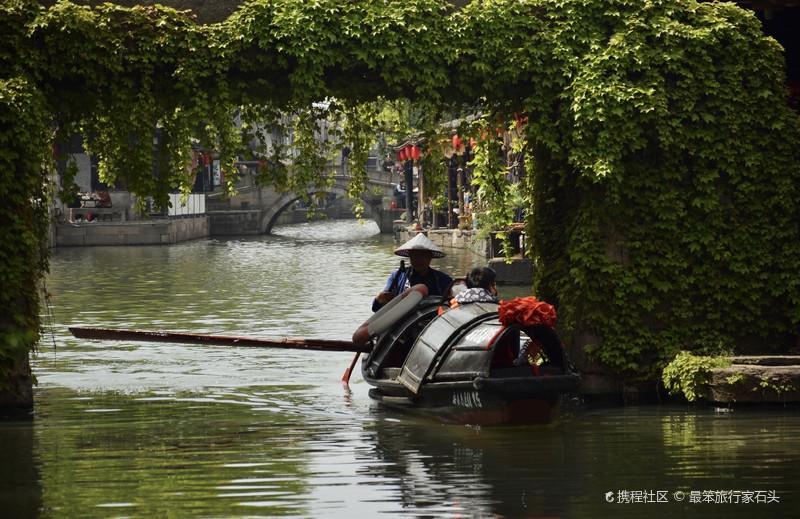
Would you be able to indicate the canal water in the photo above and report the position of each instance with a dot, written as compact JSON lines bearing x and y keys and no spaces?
{"x":124,"y":429}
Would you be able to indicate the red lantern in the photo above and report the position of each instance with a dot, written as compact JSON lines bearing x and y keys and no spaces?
{"x":456,"y":141}
{"x":206,"y":159}
{"x":415,"y":152}
{"x":402,"y":154}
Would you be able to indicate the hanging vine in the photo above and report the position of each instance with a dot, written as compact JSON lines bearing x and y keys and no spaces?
{"x":25,"y":162}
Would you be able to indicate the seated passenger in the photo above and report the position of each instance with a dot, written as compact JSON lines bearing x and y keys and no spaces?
{"x":481,"y":287}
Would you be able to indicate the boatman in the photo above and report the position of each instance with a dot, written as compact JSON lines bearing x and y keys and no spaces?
{"x":420,"y":250}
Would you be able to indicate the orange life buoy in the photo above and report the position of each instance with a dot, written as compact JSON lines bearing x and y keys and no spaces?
{"x":389,"y":314}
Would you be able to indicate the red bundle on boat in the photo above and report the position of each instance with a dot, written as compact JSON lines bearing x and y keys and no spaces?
{"x":527,"y":311}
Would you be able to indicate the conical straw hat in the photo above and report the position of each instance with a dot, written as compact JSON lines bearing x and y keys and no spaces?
{"x":419,"y":242}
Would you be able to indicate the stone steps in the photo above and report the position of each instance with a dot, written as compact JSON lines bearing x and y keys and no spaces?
{"x":756,"y":379}
{"x":767,"y":360}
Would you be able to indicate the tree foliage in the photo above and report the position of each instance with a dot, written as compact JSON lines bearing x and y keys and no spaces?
{"x":662,"y":155}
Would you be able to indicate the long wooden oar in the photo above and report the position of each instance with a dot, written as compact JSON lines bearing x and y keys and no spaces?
{"x":122,"y":334}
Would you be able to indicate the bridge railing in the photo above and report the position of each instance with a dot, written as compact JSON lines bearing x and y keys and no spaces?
{"x":375,"y":173}
{"x":195,"y":204}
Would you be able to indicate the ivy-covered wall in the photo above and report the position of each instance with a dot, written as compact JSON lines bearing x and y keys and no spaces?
{"x":666,"y":213}
{"x":24,"y":144}
{"x":661,"y":153}
{"x":664,"y":161}
{"x":23,"y":231}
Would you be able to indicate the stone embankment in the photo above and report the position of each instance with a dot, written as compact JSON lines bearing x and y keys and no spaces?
{"x":157,"y":231}
{"x":756,"y":379}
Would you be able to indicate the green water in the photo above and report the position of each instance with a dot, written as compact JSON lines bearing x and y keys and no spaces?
{"x":158,"y":430}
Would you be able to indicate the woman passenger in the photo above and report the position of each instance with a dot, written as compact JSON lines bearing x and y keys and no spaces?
{"x":481,"y":287}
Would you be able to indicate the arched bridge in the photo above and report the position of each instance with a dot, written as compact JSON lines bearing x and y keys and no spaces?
{"x":255,"y":209}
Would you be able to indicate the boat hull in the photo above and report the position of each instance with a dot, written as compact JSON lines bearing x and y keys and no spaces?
{"x":481,"y":401}
{"x":479,"y":409}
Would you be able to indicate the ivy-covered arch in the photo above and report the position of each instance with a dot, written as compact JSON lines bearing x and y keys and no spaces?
{"x":661,"y":155}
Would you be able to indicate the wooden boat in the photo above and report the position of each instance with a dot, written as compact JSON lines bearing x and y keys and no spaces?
{"x":458,"y":366}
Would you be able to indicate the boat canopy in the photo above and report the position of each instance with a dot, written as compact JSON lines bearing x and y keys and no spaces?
{"x":453,"y":345}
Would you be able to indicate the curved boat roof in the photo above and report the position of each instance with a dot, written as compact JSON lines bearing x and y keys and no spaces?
{"x":471,"y":326}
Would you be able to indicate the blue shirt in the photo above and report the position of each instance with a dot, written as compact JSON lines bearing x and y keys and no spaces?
{"x":436,"y":281}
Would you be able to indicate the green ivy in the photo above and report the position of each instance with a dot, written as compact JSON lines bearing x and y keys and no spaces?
{"x":25,"y":165}
{"x":689,"y":374}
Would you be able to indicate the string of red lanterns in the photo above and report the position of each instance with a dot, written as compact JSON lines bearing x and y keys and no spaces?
{"x":411,"y":152}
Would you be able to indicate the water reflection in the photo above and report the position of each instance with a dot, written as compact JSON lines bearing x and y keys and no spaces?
{"x":149,"y":429}
{"x":20,"y":488}
{"x":269,"y":452}
{"x":155,"y":454}
{"x":566,"y":469}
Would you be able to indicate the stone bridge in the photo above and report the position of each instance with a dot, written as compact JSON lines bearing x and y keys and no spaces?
{"x":255,"y":209}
